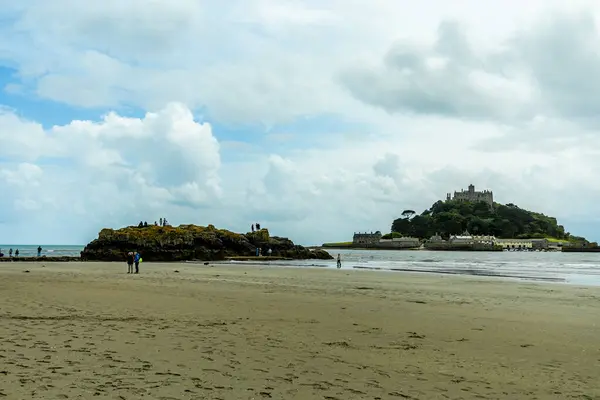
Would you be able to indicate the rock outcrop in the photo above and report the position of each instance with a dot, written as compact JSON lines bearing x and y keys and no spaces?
{"x":191,"y":242}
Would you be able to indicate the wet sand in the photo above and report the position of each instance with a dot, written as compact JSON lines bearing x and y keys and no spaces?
{"x":89,"y":330}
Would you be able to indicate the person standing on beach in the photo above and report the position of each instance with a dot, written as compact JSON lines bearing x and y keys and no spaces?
{"x":10,"y":253}
{"x":130,"y":262}
{"x":17,"y":253}
{"x":39,"y":249}
{"x":339,"y":261}
{"x":136,"y":260}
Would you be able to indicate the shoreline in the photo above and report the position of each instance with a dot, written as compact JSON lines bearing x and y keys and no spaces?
{"x":569,"y":279}
{"x":462,"y":273}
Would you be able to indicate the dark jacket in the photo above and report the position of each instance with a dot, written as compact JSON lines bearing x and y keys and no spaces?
{"x":129,"y":258}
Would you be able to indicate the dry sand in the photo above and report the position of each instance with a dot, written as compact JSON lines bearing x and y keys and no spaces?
{"x":88,"y":330}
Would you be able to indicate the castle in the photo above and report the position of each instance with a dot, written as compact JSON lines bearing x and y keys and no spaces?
{"x":366,"y":238}
{"x":471,"y":195}
{"x":375,"y":240}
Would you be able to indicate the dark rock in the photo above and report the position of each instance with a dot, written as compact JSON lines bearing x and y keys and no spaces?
{"x":42,"y":258}
{"x":191,"y":242}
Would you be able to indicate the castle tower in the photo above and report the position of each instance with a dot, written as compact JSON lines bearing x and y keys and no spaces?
{"x":472,"y":195}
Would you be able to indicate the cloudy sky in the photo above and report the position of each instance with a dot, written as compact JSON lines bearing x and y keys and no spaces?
{"x":315,"y":118}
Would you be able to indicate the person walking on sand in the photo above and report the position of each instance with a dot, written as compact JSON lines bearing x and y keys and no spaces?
{"x":130,"y":262}
{"x":136,"y":259}
{"x":339,"y":261}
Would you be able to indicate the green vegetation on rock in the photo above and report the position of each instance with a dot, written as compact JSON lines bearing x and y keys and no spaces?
{"x":503,"y":221}
{"x":191,"y":242}
{"x":337,"y":245}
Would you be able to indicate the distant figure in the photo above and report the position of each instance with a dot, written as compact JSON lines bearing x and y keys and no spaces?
{"x":130,"y":262}
{"x":253,"y":228}
{"x":257,"y":226}
{"x":141,"y":224}
{"x":339,"y":261}
{"x":10,"y":253}
{"x":17,"y":253}
{"x":269,"y":252}
{"x":155,"y":223}
{"x":39,"y":249}
{"x":257,"y":252}
{"x":136,"y":259}
{"x":160,"y":222}
{"x":145,"y":224}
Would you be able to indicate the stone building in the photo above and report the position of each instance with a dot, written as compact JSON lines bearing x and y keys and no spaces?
{"x":366,"y":238}
{"x":406,"y":242}
{"x":515,"y":243}
{"x":472,"y":195}
{"x":465,"y":238}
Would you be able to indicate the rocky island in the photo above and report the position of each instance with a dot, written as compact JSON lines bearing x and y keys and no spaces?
{"x":192,"y":242}
{"x":472,"y":220}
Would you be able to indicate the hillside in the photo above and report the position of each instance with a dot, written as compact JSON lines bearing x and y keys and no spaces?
{"x":504,"y":221}
{"x":191,"y":242}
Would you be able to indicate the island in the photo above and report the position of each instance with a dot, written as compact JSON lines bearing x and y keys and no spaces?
{"x":471,"y":220}
{"x":192,"y":242}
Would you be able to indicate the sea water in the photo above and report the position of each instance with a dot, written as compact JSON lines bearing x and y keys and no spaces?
{"x":48,"y":251}
{"x":575,"y":268}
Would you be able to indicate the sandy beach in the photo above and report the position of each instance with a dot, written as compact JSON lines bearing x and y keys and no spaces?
{"x":89,"y":330}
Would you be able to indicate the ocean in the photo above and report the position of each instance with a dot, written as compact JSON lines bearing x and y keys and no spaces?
{"x":48,"y":251}
{"x":572,"y":268}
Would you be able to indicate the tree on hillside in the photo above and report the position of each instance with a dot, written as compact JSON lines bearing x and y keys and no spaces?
{"x":408,"y":214}
{"x":454,"y":217}
{"x":401,"y":225}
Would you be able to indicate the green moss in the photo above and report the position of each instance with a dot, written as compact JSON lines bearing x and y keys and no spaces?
{"x":261,"y":235}
{"x":170,"y":233}
{"x":338,"y":244}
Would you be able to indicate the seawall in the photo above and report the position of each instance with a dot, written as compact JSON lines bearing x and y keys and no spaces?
{"x":580,"y":249}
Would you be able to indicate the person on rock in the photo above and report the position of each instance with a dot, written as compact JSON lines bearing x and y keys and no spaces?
{"x":130,"y":262}
{"x":136,"y":259}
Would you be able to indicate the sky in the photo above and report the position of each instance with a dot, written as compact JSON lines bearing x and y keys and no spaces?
{"x":317,"y":119}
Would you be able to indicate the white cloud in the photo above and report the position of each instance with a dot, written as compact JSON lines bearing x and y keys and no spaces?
{"x":431,"y":97}
{"x":118,"y":168}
